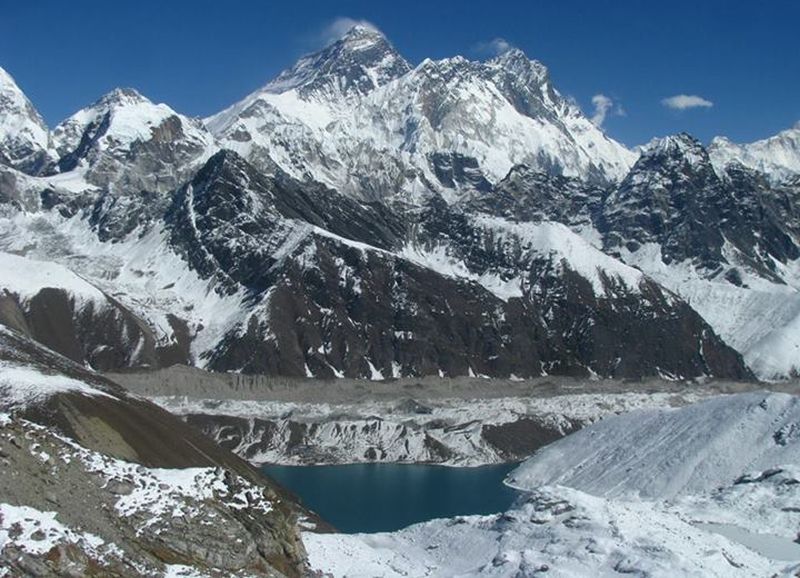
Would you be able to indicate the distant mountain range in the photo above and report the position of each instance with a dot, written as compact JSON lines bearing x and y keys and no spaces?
{"x":362,"y":217}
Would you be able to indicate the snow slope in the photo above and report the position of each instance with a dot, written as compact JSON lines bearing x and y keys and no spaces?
{"x":567,"y":249}
{"x":142,"y":272}
{"x":760,"y":318}
{"x":26,"y":277}
{"x":22,"y":385}
{"x":664,"y":453}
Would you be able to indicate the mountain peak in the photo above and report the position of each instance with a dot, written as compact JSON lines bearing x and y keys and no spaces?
{"x":6,"y":79}
{"x":357,"y":63}
{"x":777,"y":156}
{"x":516,"y":61}
{"x":362,"y":36}
{"x":24,"y":138}
{"x":121,"y":97}
{"x":678,"y":145}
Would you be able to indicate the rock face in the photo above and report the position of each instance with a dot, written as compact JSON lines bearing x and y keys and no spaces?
{"x":117,"y":469}
{"x":526,"y":194}
{"x":335,"y":300}
{"x":673,"y":197}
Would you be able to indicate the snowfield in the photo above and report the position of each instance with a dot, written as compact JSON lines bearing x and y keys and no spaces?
{"x":26,"y":277}
{"x":665,"y":453}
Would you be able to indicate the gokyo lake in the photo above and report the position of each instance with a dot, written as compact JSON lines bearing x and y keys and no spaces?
{"x":385,"y":497}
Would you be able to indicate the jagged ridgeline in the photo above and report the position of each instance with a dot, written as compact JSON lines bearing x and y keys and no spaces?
{"x":360,"y":216}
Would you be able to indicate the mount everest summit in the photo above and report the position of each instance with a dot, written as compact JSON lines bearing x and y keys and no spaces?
{"x":360,"y":216}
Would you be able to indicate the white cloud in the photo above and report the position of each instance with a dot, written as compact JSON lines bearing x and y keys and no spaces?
{"x":494,"y":47}
{"x":340,"y":26}
{"x":602,"y":104}
{"x":605,"y":106}
{"x":686,"y":101}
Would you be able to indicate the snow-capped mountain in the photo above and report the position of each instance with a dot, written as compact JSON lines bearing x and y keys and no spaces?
{"x":356,"y":108}
{"x":728,"y":244}
{"x":263,"y":273}
{"x":777,"y":156}
{"x":24,"y":138}
{"x":131,"y":153}
{"x":355,"y":65}
{"x":340,"y":288}
{"x":369,"y":219}
{"x":124,"y":140}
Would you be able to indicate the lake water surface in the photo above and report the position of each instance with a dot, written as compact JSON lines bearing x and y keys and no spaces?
{"x":386,"y":497}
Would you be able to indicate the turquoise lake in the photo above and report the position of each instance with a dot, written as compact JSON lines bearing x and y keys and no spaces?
{"x":385,"y":497}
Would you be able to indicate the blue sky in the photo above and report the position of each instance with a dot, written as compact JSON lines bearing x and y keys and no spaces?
{"x":200,"y":56}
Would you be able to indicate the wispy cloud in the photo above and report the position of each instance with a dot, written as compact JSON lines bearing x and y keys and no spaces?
{"x":338,"y":27}
{"x":494,"y":47}
{"x":686,"y":101}
{"x":604,"y":106}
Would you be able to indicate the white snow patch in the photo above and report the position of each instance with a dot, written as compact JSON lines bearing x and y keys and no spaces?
{"x":26,"y":277}
{"x":37,"y":532}
{"x":22,"y":385}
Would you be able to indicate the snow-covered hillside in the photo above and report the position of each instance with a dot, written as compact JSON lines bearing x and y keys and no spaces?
{"x":555,"y":531}
{"x":678,"y":451}
{"x":758,"y":317}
